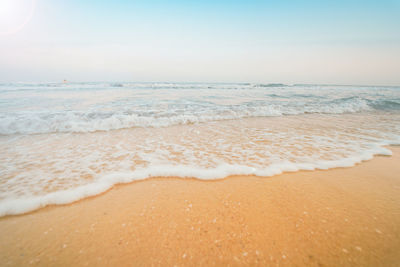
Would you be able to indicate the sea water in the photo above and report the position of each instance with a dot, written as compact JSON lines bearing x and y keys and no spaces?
{"x":63,"y":142}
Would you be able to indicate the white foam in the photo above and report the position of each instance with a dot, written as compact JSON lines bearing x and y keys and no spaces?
{"x":60,"y":142}
{"x":107,"y":181}
{"x":79,"y":108}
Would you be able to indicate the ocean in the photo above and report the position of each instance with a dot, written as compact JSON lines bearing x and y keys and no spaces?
{"x":63,"y":142}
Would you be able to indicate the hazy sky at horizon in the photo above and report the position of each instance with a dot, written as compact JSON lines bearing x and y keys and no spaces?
{"x":341,"y":42}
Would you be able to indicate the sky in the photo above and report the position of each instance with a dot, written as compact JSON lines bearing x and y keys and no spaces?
{"x":287,"y":41}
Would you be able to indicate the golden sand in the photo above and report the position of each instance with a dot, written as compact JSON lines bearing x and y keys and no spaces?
{"x":339,"y":217}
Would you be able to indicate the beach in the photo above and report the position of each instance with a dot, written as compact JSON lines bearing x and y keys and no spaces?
{"x":199,"y":133}
{"x":174,"y":174}
{"x":337,"y":217}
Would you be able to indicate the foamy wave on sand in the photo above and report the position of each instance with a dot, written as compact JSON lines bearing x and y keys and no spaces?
{"x":61,"y":142}
{"x":107,"y":181}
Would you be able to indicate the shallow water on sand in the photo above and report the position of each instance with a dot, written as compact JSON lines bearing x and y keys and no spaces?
{"x":61,"y":143}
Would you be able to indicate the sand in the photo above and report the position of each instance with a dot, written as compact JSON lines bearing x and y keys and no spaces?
{"x":338,"y":217}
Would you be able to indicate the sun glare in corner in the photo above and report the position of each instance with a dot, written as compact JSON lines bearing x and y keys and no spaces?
{"x":15,"y":14}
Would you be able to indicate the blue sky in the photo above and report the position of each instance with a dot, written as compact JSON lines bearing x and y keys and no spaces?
{"x":341,"y":42}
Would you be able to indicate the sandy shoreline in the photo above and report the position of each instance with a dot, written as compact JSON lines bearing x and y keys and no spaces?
{"x":339,"y":217}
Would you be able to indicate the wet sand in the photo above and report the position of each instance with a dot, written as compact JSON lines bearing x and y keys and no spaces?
{"x":339,"y":217}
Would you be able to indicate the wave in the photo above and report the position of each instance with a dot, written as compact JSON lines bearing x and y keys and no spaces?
{"x":91,"y":121}
{"x":387,"y":105}
{"x":116,"y":85}
{"x":271,"y":85}
{"x":107,"y":181}
{"x":72,"y":166}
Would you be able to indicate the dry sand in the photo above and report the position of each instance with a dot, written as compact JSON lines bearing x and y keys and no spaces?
{"x":339,"y":217}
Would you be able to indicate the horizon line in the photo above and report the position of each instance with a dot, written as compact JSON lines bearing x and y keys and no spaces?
{"x":272,"y":84}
